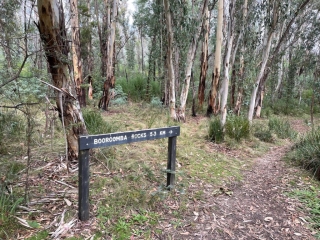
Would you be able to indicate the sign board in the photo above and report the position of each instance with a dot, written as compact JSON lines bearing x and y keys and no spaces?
{"x":105,"y":140}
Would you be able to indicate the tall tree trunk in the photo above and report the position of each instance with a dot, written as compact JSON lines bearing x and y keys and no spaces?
{"x":190,"y":60}
{"x":265,"y":58}
{"x":214,"y":102}
{"x":170,"y":67}
{"x":204,"y":59}
{"x":102,"y":33}
{"x":259,"y":83}
{"x":53,"y":35}
{"x":225,"y":83}
{"x":90,"y":89}
{"x":89,"y":60}
{"x":142,"y":54}
{"x":76,"y":58}
{"x":110,"y":78}
{"x":193,"y":108}
{"x":177,"y":69}
{"x":261,"y":87}
{"x":279,"y":80}
{"x":238,"y":102}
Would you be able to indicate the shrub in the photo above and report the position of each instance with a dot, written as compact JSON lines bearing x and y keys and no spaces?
{"x":120,"y":96}
{"x":95,"y":123}
{"x":216,"y":133}
{"x":291,"y":107}
{"x":11,"y":127}
{"x":237,"y":128}
{"x":263,"y":133}
{"x":156,"y":102}
{"x":136,"y":86}
{"x":155,"y":89}
{"x":8,"y":205}
{"x":307,"y":152}
{"x":282,"y":128}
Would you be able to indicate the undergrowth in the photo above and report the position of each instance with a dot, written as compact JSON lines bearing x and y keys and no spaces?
{"x":310,"y":198}
{"x":8,"y":205}
{"x":128,"y":195}
{"x":216,"y":133}
{"x":281,"y":128}
{"x":237,"y":127}
{"x":135,"y":88}
{"x":95,"y":123}
{"x":263,"y":133}
{"x":12,"y":125}
{"x":306,"y":152}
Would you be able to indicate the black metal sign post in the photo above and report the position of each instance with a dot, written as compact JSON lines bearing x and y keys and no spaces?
{"x":106,"y":140}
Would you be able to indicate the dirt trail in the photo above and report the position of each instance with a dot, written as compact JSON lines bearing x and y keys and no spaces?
{"x":256,"y":209}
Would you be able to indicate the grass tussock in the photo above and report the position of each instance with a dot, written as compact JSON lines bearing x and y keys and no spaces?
{"x":237,"y":127}
{"x":216,"y":133}
{"x":281,"y":128}
{"x":306,"y":152}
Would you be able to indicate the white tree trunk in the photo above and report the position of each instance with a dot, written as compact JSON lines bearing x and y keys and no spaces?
{"x":53,"y":35}
{"x":190,"y":60}
{"x":225,"y":83}
{"x":265,"y":58}
{"x":110,"y":77}
{"x":267,"y":40}
{"x":238,"y":103}
{"x":171,"y":75}
{"x":213,"y":106}
{"x":204,"y":59}
{"x":76,"y":58}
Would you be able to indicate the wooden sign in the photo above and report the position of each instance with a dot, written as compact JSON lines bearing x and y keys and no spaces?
{"x":106,"y":140}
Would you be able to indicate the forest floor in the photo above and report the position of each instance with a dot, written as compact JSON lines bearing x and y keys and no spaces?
{"x":229,"y":192}
{"x":258,"y":207}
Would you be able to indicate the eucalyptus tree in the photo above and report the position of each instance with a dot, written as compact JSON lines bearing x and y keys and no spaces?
{"x":214,"y":101}
{"x":76,"y":51}
{"x":224,"y":90}
{"x":53,"y":34}
{"x":194,"y":28}
{"x":204,"y":58}
{"x":272,"y":13}
{"x":87,"y":34}
{"x":110,"y":25}
{"x":239,"y":99}
{"x":171,"y":73}
{"x":275,"y":10}
{"x":202,"y":13}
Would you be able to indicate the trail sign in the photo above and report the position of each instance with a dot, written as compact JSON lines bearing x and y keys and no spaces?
{"x":106,"y":140}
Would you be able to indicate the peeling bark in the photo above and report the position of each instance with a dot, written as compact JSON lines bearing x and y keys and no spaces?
{"x":190,"y":60}
{"x":170,"y":67}
{"x":110,"y":78}
{"x":204,"y":59}
{"x":214,"y":99}
{"x":76,"y":58}
{"x":259,"y":83}
{"x":225,"y":83}
{"x":53,"y":34}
